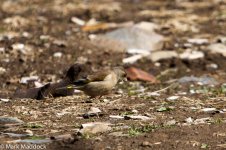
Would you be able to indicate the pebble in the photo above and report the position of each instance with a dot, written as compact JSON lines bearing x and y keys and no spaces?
{"x":78,"y":21}
{"x":191,"y":55}
{"x":94,"y":111}
{"x":25,"y":80}
{"x":161,"y":55}
{"x":94,"y":127}
{"x":4,"y":99}
{"x":2,"y":70}
{"x":208,"y":109}
{"x":57,"y":55}
{"x":173,"y":98}
{"x":217,"y":48}
{"x":146,"y":144}
{"x":171,"y":122}
{"x":138,"y":117}
{"x":116,"y":117}
{"x":198,"y":41}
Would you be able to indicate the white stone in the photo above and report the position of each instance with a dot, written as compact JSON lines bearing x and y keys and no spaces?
{"x":198,"y":41}
{"x":172,"y":98}
{"x":78,"y":21}
{"x":160,"y":55}
{"x":57,"y":54}
{"x":25,"y":80}
{"x":191,"y":55}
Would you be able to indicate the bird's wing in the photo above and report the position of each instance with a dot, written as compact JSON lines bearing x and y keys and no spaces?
{"x":98,"y":76}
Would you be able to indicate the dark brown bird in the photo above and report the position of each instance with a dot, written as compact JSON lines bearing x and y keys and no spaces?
{"x":50,"y":89}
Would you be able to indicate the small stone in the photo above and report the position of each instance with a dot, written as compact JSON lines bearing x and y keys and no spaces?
{"x":44,"y":37}
{"x":173,"y":98}
{"x":24,"y":49}
{"x":25,"y":80}
{"x":153,"y":94}
{"x":191,"y":55}
{"x":2,"y":70}
{"x":94,"y":127}
{"x":189,"y":120}
{"x":94,"y":111}
{"x":161,"y":55}
{"x":18,"y":46}
{"x":78,"y":21}
{"x":171,"y":122}
{"x":202,"y":120}
{"x":198,"y":41}
{"x":134,"y":111}
{"x":158,"y":143}
{"x":203,"y":80}
{"x":4,"y":99}
{"x":138,"y":74}
{"x":209,"y":109}
{"x":146,"y":144}
{"x":218,"y":48}
{"x":138,"y":51}
{"x":138,"y":117}
{"x":26,"y":34}
{"x":60,"y":43}
{"x":212,"y":66}
{"x":116,"y":117}
{"x":16,"y":21}
{"x":57,"y":55}
{"x":2,"y":50}
{"x":132,"y":59}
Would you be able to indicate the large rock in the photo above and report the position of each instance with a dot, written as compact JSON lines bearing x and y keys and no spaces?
{"x":137,"y":38}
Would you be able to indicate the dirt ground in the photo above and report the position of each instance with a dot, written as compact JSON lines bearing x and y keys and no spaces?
{"x":45,"y":27}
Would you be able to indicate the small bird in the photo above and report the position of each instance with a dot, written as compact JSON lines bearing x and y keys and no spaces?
{"x":99,"y":83}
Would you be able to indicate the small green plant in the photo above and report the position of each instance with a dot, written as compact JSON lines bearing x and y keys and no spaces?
{"x":218,"y":121}
{"x":134,"y":131}
{"x":162,"y":109}
{"x":204,"y":146}
{"x":86,"y":136}
{"x":131,"y":93}
{"x":36,"y":138}
{"x":126,"y":113}
{"x":32,"y":125}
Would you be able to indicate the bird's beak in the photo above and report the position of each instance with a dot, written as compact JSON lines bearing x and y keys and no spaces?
{"x":66,"y":87}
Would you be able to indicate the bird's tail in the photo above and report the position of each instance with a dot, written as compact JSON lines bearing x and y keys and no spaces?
{"x":67,"y":87}
{"x":76,"y":85}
